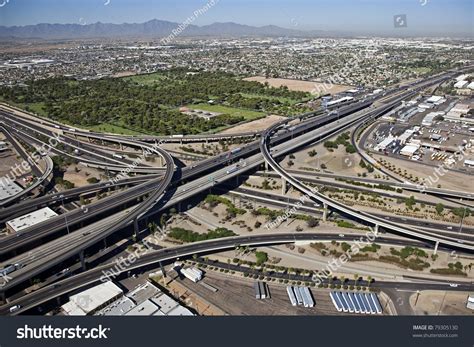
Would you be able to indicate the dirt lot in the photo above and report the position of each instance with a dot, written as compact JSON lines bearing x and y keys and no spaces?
{"x":256,"y":125}
{"x":80,"y":177}
{"x":430,"y":302}
{"x":303,"y":86}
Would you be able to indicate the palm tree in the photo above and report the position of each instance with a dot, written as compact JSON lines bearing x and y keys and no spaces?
{"x":356,"y":277}
{"x":369,"y":279}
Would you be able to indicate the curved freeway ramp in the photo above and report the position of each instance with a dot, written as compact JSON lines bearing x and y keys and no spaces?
{"x":335,"y":205}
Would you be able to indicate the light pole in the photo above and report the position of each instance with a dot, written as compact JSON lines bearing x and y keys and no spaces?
{"x":65,"y":215}
{"x":462,"y":219}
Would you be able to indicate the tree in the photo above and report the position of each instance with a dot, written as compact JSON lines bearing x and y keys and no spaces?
{"x":410,"y":202}
{"x":262,"y":257}
{"x":312,"y":222}
{"x":439,"y":208}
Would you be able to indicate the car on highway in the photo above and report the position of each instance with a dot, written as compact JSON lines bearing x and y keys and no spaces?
{"x":15,"y":308}
{"x":453,"y":285}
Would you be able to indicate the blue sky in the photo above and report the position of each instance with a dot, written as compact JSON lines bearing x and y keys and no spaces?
{"x":358,"y":16}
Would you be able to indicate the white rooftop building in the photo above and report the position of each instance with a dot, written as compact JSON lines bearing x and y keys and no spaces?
{"x":385,"y":143}
{"x":146,"y":308}
{"x":9,"y":189}
{"x":93,"y":299}
{"x":409,"y":150}
{"x":437,"y":100}
{"x":30,"y":219}
{"x":461,"y":84}
{"x":470,"y":302}
{"x":165,"y":302}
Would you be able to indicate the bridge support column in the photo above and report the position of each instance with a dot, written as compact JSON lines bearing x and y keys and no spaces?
{"x":135,"y":227}
{"x":325,"y":212}
{"x":162,"y":269}
{"x":121,"y":146}
{"x":283,"y":186}
{"x":3,"y":298}
{"x":267,"y":168}
{"x":376,"y":229}
{"x":161,"y":160}
{"x":436,"y":247}
{"x":83,"y":262}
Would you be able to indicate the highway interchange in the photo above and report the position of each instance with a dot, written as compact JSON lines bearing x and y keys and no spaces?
{"x":170,"y":185}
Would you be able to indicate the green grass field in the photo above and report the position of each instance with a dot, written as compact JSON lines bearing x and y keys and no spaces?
{"x":247,"y":114}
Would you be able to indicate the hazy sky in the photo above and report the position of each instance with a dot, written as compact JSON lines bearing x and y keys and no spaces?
{"x":358,"y":16}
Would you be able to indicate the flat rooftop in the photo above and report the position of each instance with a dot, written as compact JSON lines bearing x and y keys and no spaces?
{"x":92,"y":299}
{"x":9,"y":189}
{"x":31,"y":219}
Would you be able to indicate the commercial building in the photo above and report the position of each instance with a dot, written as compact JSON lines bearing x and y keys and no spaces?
{"x":9,"y":189}
{"x":403,"y":138}
{"x":461,"y":84}
{"x":436,"y":100}
{"x":385,"y":143}
{"x":429,"y":118}
{"x":30,"y":219}
{"x":409,"y":150}
{"x":470,"y":301}
{"x":146,"y":308}
{"x":92,"y":300}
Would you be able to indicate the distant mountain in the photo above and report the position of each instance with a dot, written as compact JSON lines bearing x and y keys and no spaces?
{"x":152,"y":28}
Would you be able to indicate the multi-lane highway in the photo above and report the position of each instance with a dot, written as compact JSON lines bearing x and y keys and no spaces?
{"x":223,"y":167}
{"x":153,"y":257}
{"x":341,"y":208}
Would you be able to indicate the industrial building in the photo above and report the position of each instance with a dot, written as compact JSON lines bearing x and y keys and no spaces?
{"x":430,"y":117}
{"x":93,"y":299}
{"x":470,"y":302}
{"x":191,"y":273}
{"x":385,"y":143}
{"x":9,"y":189}
{"x":30,"y":219}
{"x":340,"y":101}
{"x":107,"y":299}
{"x":436,"y":100}
{"x":409,"y":150}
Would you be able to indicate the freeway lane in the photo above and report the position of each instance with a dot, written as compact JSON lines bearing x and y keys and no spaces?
{"x":91,"y":276}
{"x":87,"y":154}
{"x":376,"y":221}
{"x":58,"y":223}
{"x":184,"y":192}
{"x":41,"y":177}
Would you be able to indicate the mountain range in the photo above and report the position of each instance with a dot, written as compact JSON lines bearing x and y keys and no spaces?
{"x":152,"y":28}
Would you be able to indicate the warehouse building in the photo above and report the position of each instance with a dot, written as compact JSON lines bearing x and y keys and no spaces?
{"x":409,"y":150}
{"x":92,"y":300}
{"x":9,"y":189}
{"x":30,"y":219}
